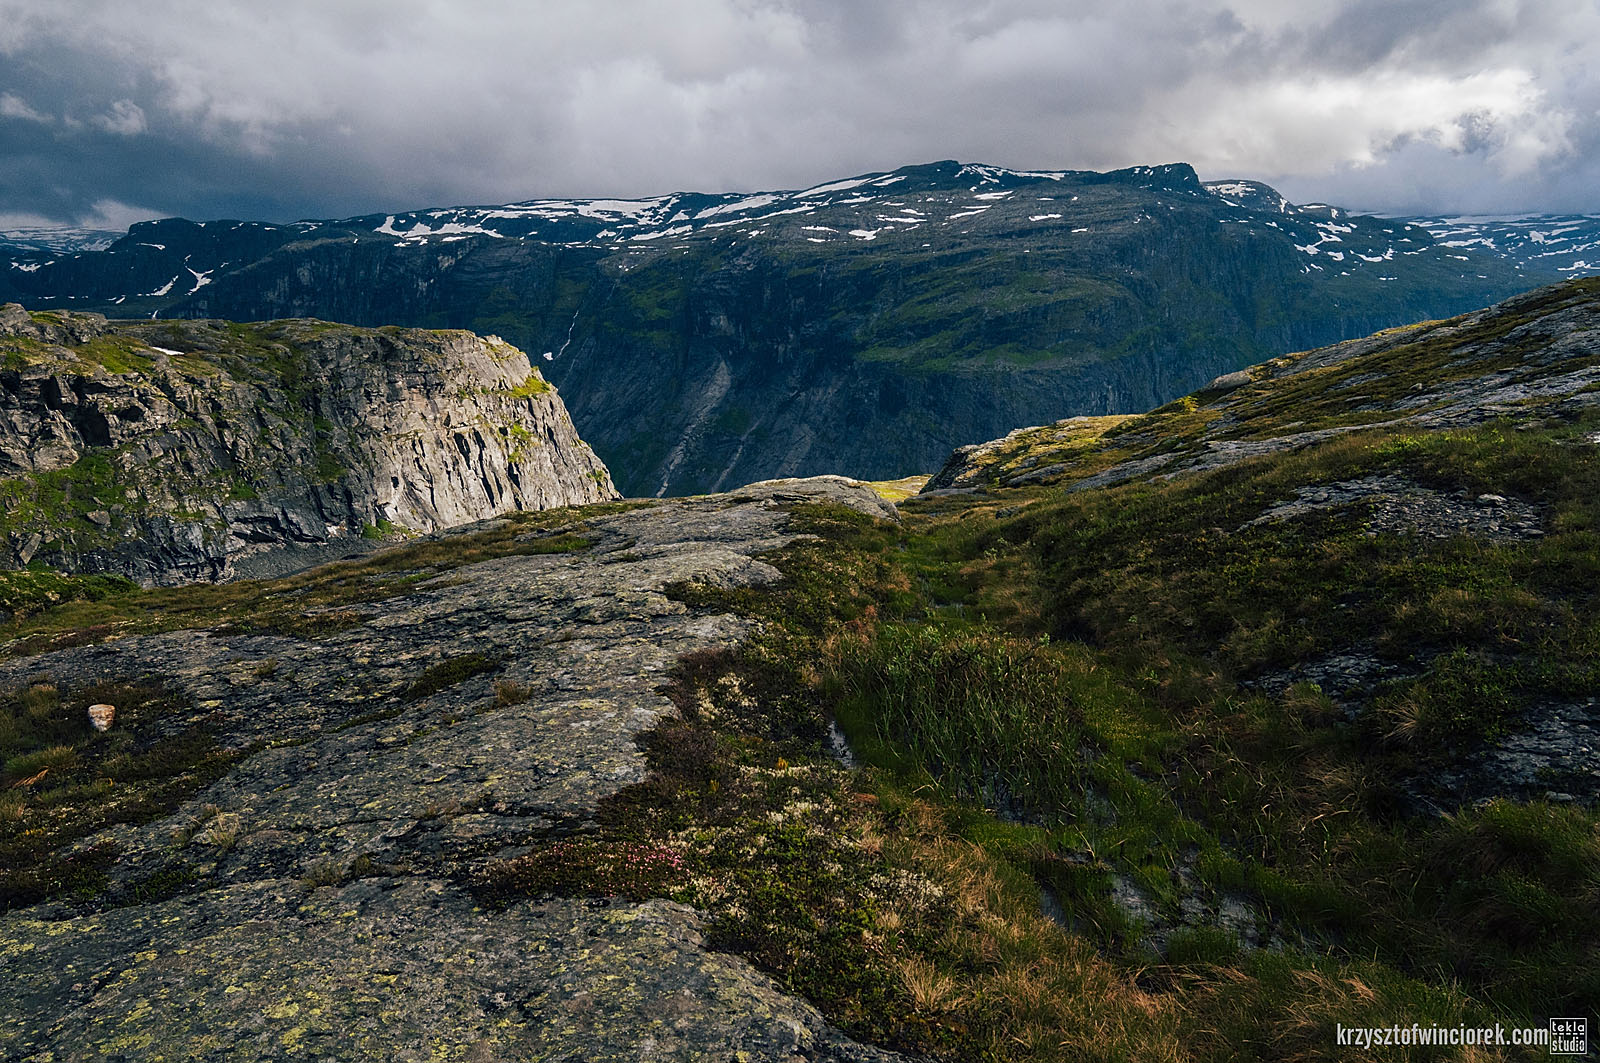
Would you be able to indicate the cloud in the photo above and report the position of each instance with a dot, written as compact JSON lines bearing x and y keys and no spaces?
{"x":107,"y":215}
{"x":125,"y":118}
{"x":14,"y":106}
{"x":301,"y":107}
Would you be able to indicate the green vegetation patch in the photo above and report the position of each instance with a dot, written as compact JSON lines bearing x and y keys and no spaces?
{"x":744,"y":818}
{"x":448,"y":673}
{"x":1070,"y":664}
{"x":25,"y":592}
{"x":63,"y":781}
{"x":534,"y":385}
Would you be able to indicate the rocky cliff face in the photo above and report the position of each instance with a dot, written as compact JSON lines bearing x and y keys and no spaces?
{"x":169,"y":452}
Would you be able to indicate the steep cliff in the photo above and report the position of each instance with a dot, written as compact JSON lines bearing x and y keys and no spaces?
{"x":167,"y":452}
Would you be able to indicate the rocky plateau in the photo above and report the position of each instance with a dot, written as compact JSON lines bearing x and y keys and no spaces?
{"x":181,"y":451}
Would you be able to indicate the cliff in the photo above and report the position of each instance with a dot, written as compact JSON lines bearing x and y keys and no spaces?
{"x":170,"y":452}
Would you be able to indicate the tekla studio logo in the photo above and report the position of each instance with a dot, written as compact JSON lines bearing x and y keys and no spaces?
{"x":1569,"y":1036}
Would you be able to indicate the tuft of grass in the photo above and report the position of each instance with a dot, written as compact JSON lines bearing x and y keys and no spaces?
{"x":534,"y":385}
{"x":997,"y":719}
{"x":448,"y":673}
{"x":509,"y":692}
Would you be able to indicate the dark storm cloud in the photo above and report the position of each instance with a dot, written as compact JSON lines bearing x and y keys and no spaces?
{"x":302,"y":108}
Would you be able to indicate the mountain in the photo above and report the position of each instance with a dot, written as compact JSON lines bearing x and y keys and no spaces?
{"x":709,"y":340}
{"x":28,"y":243}
{"x":1207,"y":733}
{"x":198,"y":450}
{"x":1566,"y":243}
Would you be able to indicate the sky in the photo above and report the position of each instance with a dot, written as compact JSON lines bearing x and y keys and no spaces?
{"x":113,"y":112}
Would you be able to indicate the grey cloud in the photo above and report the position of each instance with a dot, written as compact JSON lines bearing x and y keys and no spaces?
{"x":124,"y":118}
{"x":13,"y":106}
{"x":303,"y":108}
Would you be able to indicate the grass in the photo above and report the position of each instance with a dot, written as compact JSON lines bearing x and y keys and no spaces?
{"x":534,"y":385}
{"x":448,"y":673}
{"x":1049,"y":694}
{"x":1057,"y":698}
{"x":63,"y":781}
{"x":1000,"y":765}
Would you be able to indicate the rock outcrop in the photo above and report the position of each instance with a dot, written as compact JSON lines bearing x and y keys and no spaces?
{"x":325,"y":909}
{"x":169,"y":452}
{"x":1532,"y":354}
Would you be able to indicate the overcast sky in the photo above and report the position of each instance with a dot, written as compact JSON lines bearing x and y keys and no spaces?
{"x":112,"y":111}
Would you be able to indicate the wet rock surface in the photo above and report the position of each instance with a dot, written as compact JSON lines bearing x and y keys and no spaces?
{"x":323,"y":910}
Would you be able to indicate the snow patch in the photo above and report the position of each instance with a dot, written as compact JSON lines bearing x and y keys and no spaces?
{"x":834,"y":186}
{"x":676,"y":230}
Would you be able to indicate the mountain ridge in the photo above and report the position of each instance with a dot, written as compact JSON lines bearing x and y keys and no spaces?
{"x":708,"y":340}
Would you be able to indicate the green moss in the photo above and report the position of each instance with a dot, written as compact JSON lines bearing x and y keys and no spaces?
{"x":533,"y":385}
{"x":26,"y":592}
{"x":330,"y":467}
{"x":448,"y":673}
{"x":59,"y":499}
{"x":117,"y":354}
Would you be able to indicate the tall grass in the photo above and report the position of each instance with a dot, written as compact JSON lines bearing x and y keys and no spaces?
{"x":992,"y":718}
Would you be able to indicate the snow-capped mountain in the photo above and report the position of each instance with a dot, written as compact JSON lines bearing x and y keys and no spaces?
{"x":1568,"y":244}
{"x":705,"y":340}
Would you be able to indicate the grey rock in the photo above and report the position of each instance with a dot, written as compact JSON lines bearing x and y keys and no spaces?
{"x":1396,"y":505}
{"x":229,"y":441}
{"x":341,"y":771}
{"x":837,"y":489}
{"x":395,"y":969}
{"x":1230,"y":381}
